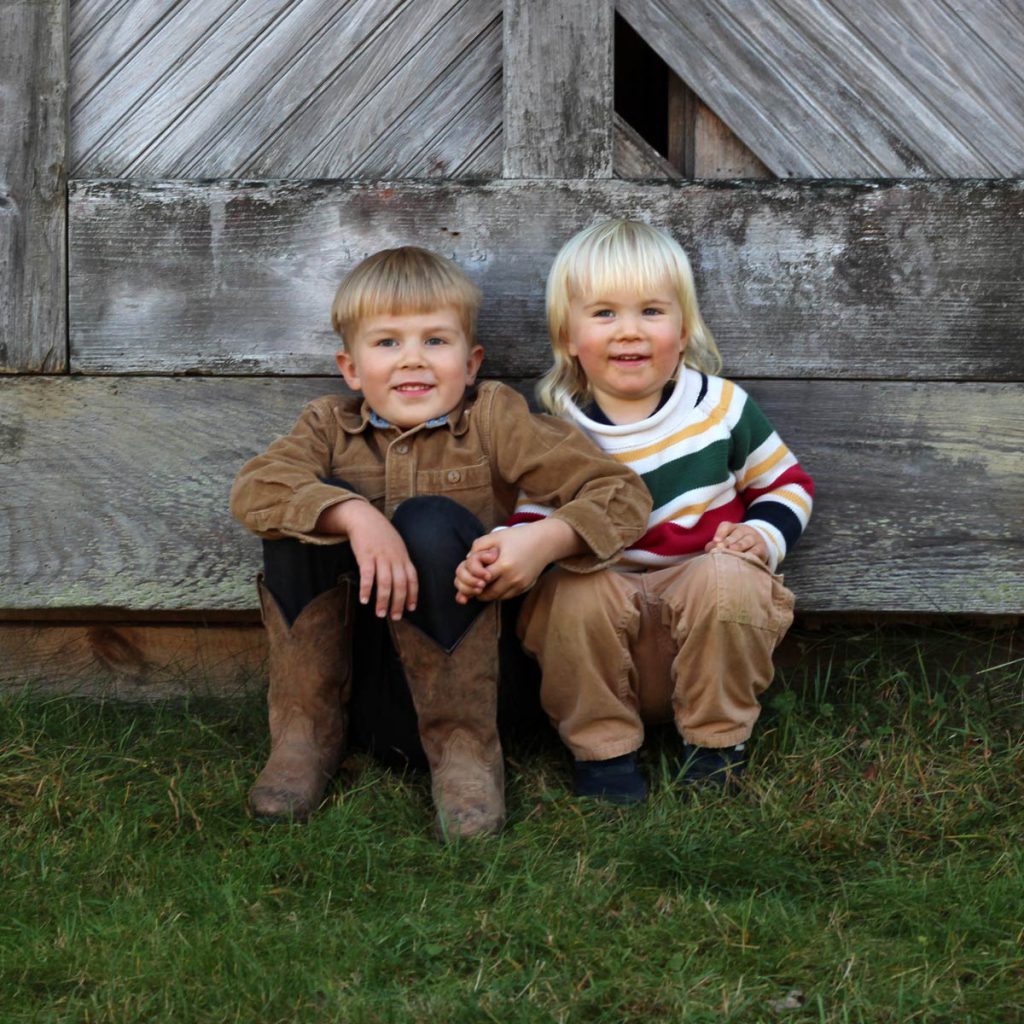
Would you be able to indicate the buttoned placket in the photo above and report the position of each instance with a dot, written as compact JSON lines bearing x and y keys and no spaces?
{"x":400,"y":470}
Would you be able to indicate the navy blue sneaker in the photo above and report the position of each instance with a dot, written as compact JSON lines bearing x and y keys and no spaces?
{"x":712,"y":767}
{"x":616,"y":780}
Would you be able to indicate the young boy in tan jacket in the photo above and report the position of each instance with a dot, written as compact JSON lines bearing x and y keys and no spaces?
{"x":380,"y":498}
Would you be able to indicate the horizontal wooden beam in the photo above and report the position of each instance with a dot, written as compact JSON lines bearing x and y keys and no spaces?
{"x":132,"y":661}
{"x":919,"y":280}
{"x":121,"y":491}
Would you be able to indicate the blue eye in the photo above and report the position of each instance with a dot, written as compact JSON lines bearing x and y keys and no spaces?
{"x":652,"y":311}
{"x":604,"y":312}
{"x":385,"y":342}
{"x":437,"y":341}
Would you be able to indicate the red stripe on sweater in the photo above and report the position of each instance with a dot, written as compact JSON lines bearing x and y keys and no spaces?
{"x":522,"y":517}
{"x":669,"y":539}
{"x":793,"y":475}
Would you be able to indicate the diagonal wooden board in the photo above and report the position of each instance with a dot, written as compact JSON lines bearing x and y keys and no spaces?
{"x":115,"y":491}
{"x":864,"y":280}
{"x":877,"y":88}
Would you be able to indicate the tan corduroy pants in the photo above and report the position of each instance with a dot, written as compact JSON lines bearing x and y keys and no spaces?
{"x":691,"y":643}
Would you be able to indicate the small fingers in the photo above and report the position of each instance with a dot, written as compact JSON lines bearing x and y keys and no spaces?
{"x":367,"y":572}
{"x":383,"y":589}
{"x":399,"y":590}
{"x":412,"y":582}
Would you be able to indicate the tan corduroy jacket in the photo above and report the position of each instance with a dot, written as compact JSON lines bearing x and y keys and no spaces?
{"x":490,"y":449}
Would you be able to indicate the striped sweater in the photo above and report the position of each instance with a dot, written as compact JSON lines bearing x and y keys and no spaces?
{"x":708,"y":455}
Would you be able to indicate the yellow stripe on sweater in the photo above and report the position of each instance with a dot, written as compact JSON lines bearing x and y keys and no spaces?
{"x":793,"y":497}
{"x":762,"y":467}
{"x":714,"y":417}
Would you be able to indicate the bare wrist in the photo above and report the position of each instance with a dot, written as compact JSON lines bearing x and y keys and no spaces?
{"x":341,"y":517}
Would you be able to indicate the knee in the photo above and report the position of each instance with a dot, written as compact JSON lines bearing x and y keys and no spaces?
{"x":732,"y":588}
{"x":436,"y":530}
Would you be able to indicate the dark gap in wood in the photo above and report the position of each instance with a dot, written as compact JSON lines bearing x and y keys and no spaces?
{"x":641,"y":86}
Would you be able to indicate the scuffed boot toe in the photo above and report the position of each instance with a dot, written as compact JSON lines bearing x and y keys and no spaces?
{"x":274,"y":804}
{"x":468,"y":790}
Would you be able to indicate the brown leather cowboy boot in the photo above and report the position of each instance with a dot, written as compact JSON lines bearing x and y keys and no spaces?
{"x":310,"y":681}
{"x":456,"y":699}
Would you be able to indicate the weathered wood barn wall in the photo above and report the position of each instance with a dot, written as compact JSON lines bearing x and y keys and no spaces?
{"x":182,"y":185}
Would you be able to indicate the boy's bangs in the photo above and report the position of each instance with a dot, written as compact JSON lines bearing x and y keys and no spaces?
{"x":401,"y":282}
{"x":404,"y":298}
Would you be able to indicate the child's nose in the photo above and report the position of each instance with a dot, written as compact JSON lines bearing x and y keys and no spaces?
{"x":412,"y":355}
{"x":629,"y":326}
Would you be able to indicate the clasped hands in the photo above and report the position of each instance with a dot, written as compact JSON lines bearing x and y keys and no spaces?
{"x":498,"y":565}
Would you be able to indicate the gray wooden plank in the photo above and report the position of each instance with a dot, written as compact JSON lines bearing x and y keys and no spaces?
{"x":147,"y":85}
{"x":292,"y":88}
{"x":420,"y":53}
{"x":103,"y":36}
{"x":177,"y":129}
{"x":123,"y":484}
{"x":558,"y":89}
{"x":455,"y":109}
{"x":817,"y":92}
{"x":901,"y":280}
{"x":33,"y":209}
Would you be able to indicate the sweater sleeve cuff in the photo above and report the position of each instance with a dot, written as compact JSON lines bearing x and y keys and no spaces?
{"x":773,"y":541}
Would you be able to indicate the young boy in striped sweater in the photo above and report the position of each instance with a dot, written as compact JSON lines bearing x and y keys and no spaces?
{"x":684,"y":626}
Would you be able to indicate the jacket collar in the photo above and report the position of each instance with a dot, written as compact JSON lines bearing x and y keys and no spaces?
{"x":354,"y":420}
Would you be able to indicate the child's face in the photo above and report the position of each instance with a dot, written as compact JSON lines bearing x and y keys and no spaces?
{"x":629,"y":346}
{"x":411,"y":368}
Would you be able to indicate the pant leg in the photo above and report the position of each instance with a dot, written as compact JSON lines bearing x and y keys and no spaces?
{"x":438,"y":533}
{"x":727,"y":613}
{"x":580,"y":627}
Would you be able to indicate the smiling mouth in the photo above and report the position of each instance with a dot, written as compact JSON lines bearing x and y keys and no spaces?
{"x":413,"y":389}
{"x":629,"y":359}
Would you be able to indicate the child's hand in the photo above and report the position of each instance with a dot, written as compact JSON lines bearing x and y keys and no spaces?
{"x":472,"y":575}
{"x":380,"y":553}
{"x":511,"y":560}
{"x":738,"y":537}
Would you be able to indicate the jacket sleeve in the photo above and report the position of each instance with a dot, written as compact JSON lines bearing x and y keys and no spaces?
{"x":776,"y":490}
{"x":280,"y":493}
{"x":555,"y":465}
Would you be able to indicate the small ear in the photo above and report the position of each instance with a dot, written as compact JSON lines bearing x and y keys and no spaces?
{"x":473,"y":361}
{"x":347,"y":366}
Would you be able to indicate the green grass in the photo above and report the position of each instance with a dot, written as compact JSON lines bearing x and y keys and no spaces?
{"x":873,"y":864}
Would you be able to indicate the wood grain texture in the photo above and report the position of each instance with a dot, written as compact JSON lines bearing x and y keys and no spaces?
{"x":558,"y":89}
{"x":718,"y":153}
{"x":33,"y":211}
{"x":286,"y":88}
{"x":636,"y":158}
{"x":897,"y":280}
{"x":132,"y":661}
{"x":123,"y":485}
{"x":701,"y":144}
{"x":820,"y":88}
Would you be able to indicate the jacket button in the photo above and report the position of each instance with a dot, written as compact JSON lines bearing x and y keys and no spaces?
{"x":402,"y":449}
{"x":454,"y":476}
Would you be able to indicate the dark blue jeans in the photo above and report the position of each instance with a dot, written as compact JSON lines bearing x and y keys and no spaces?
{"x":437,"y":533}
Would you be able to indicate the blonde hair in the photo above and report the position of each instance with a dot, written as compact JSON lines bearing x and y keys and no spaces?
{"x":617,"y":255}
{"x":400,"y":281}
